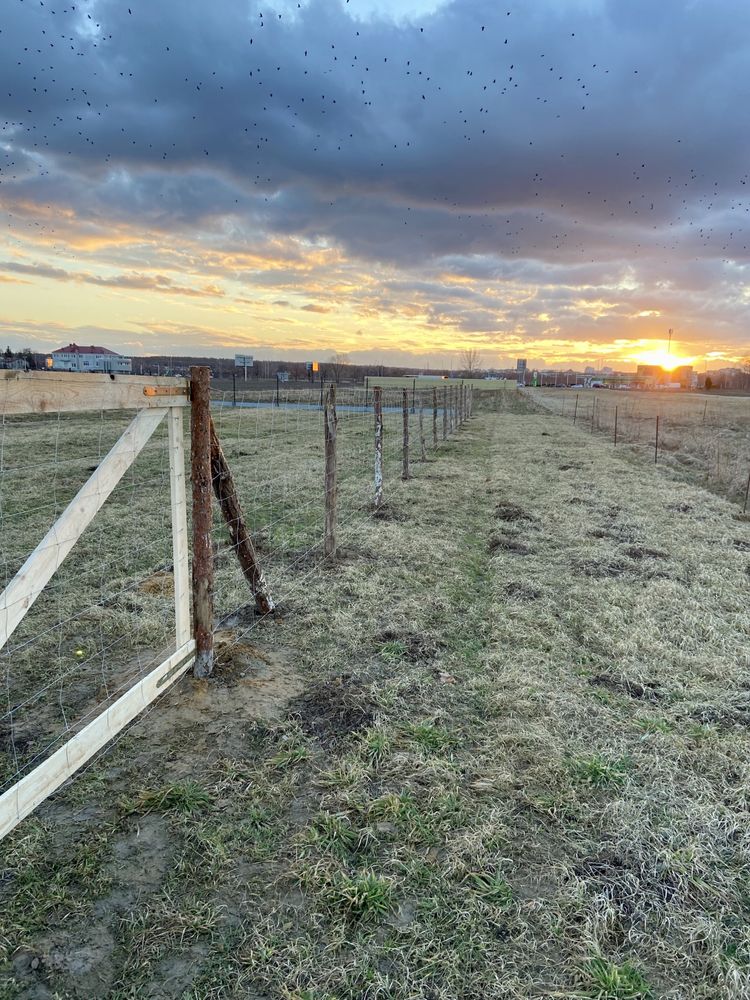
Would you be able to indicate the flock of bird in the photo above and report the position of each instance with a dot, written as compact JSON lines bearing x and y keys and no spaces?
{"x":519,"y":150}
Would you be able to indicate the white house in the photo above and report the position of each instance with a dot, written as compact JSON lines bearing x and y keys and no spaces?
{"x":88,"y":359}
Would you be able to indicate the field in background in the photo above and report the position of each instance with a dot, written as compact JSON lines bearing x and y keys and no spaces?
{"x":703,"y":438}
{"x":499,"y":750}
{"x":485,"y":385}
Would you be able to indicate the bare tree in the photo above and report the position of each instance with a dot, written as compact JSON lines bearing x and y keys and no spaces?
{"x":471,"y":361}
{"x":337,"y":363}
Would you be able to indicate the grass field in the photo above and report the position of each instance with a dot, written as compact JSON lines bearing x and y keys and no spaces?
{"x":499,"y":750}
{"x":703,"y":438}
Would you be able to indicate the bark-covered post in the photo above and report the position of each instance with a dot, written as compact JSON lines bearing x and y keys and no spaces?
{"x":377,"y":403}
{"x":329,"y":439}
{"x":203,"y":557}
{"x":405,"y":409}
{"x":422,"y":442}
{"x":434,"y":419}
{"x":445,"y":412}
{"x":229,"y":503}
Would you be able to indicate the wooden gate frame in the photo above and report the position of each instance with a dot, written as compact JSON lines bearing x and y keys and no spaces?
{"x":64,"y":392}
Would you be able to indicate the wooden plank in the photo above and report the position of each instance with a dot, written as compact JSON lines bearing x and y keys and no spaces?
{"x":34,"y":788}
{"x":49,"y":554}
{"x":180,"y":558}
{"x":77,"y":392}
{"x":329,"y":433}
{"x":229,"y":503}
{"x":203,"y":557}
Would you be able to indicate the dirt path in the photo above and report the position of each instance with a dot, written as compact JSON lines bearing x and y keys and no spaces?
{"x":499,"y":751}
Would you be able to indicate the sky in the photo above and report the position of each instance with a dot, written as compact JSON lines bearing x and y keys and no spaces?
{"x":396,"y":180}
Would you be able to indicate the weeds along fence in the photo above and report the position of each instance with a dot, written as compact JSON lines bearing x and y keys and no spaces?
{"x":705,"y":439}
{"x":120,"y":565}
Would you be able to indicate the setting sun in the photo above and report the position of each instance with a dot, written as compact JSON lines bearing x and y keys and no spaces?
{"x":665,"y":359}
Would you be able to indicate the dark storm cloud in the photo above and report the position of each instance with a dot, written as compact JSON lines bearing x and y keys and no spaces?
{"x":560,"y":144}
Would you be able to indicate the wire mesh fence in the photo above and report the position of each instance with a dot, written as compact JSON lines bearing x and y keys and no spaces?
{"x":101,"y":621}
{"x":106,"y":617}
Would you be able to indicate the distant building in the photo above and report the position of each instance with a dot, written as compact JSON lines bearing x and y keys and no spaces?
{"x":685,"y":375}
{"x":88,"y":359}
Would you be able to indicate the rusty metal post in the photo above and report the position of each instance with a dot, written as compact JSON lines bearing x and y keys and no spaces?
{"x":434,"y":419}
{"x":329,"y":437}
{"x":377,"y":403}
{"x":229,"y":503}
{"x":203,"y":560}
{"x":405,"y":409}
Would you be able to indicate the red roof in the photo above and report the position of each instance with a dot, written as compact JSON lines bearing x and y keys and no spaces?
{"x":75,"y":349}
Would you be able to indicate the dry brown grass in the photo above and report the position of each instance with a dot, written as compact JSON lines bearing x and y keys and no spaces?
{"x":499,"y":775}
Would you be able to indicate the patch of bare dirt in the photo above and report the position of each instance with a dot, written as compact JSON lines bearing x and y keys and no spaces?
{"x":679,"y":508}
{"x":643,"y":552}
{"x":522,"y":591}
{"x":334,"y":708}
{"x":387,"y":512}
{"x":161,"y":583}
{"x":248,"y":684}
{"x":418,"y":647}
{"x":600,"y":569}
{"x":634,"y":689}
{"x":506,"y":511}
{"x":506,"y":544}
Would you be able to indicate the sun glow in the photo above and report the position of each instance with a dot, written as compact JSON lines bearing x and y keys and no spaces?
{"x":664,"y":359}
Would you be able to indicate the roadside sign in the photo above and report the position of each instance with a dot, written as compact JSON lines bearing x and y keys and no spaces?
{"x":243,"y":361}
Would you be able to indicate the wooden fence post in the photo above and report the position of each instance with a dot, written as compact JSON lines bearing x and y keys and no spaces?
{"x":203,"y":557}
{"x":445,"y":412}
{"x":229,"y":503}
{"x":422,"y":442}
{"x":377,"y":403}
{"x":656,"y":441}
{"x":405,"y":408}
{"x":575,"y":409}
{"x":434,"y":419}
{"x":615,"y":444}
{"x":329,"y":438}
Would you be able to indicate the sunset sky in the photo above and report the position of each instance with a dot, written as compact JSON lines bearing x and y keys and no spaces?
{"x":562,"y":180}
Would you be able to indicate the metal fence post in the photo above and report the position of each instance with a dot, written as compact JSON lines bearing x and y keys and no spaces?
{"x":329,"y":438}
{"x":434,"y":419}
{"x":405,"y":409}
{"x":377,"y":402}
